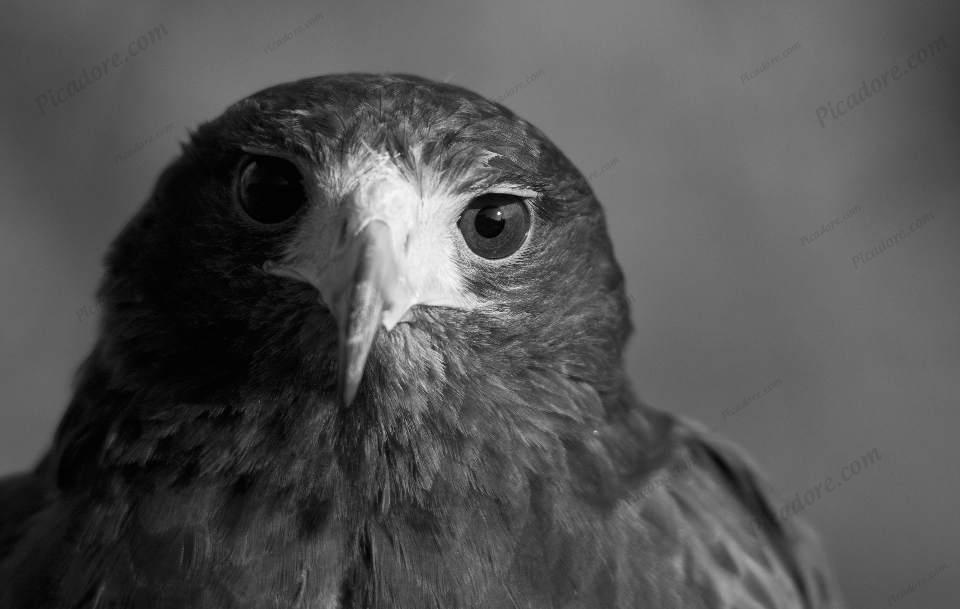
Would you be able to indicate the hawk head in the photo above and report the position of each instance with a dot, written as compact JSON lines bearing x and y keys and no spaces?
{"x":375,"y":266}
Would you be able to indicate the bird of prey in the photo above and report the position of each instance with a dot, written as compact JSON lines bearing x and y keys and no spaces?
{"x":362,"y":348}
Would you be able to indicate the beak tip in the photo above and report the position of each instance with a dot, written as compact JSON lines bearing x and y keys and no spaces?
{"x":346,"y":394}
{"x":347,"y":385}
{"x":359,"y":309}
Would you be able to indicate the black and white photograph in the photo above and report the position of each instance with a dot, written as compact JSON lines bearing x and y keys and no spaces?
{"x":540,"y":304}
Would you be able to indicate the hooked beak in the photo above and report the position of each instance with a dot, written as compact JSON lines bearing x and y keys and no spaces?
{"x":382,"y":248}
{"x":363,"y":288}
{"x":375,"y":293}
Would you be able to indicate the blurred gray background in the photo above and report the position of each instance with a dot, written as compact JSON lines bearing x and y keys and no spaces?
{"x":715,"y":171}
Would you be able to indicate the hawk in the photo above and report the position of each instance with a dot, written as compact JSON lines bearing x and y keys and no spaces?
{"x":362,"y":348}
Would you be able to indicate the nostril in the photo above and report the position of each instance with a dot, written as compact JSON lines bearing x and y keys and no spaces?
{"x":342,"y":235}
{"x":406,"y":245}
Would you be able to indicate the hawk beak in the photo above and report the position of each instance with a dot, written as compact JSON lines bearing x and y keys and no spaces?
{"x":352,"y":255}
{"x":374,"y":292}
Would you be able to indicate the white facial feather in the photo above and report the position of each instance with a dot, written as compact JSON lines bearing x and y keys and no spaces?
{"x":420,"y":208}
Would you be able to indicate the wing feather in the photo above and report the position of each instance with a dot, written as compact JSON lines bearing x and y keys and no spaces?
{"x":737,"y":548}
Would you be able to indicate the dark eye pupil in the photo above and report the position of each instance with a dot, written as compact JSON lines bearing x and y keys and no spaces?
{"x":270,"y":190}
{"x":495,"y":225}
{"x":490,"y":222}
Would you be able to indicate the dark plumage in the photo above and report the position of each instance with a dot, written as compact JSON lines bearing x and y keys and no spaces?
{"x":230,"y":442}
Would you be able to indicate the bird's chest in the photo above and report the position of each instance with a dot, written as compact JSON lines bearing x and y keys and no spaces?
{"x":198,"y":551}
{"x":202,"y":551}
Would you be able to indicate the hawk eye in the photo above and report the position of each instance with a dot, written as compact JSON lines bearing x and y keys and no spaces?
{"x":495,"y":225}
{"x":270,"y":190}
